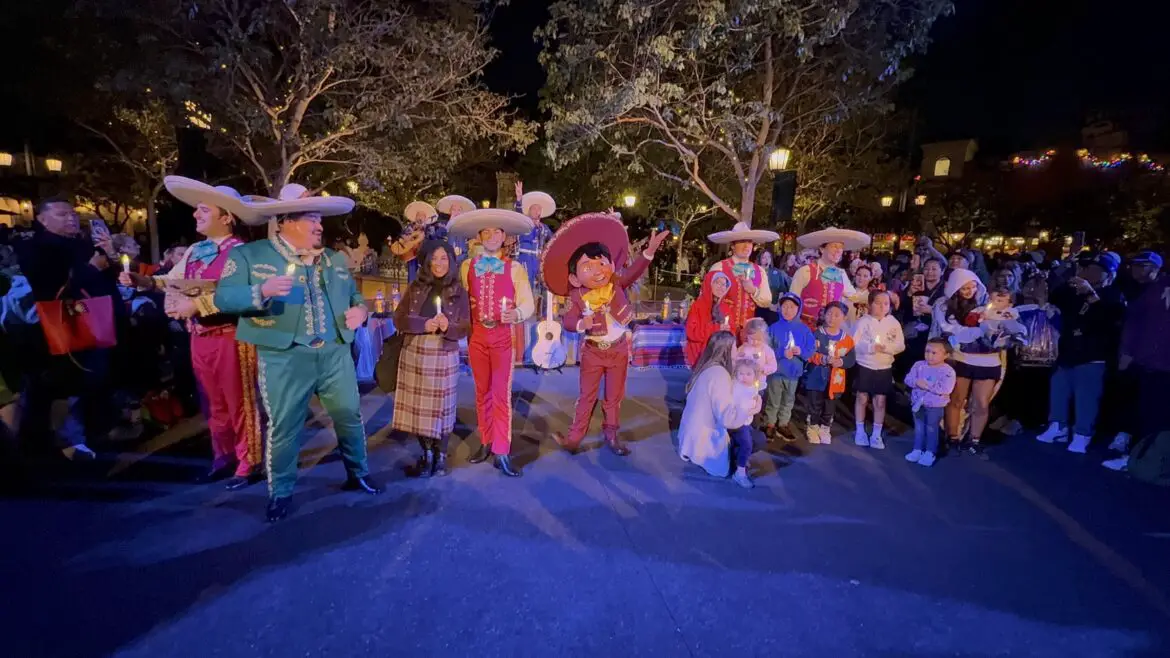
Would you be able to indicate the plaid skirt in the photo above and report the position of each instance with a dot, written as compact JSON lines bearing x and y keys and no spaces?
{"x":424,"y":404}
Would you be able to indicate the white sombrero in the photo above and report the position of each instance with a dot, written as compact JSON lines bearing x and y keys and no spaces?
{"x":741,"y":232}
{"x":468,"y":224}
{"x":193,"y":193}
{"x":547,"y":205}
{"x":416,"y":207}
{"x":454,"y":202}
{"x":853,"y":240}
{"x":295,"y":199}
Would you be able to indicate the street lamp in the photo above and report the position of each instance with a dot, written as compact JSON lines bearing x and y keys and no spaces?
{"x":5,"y":159}
{"x":887,"y":201}
{"x":783,"y":187}
{"x":778,"y":159}
{"x":485,"y":204}
{"x":629,"y":200}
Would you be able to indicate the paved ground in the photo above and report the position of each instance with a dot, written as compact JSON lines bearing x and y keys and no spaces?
{"x":841,"y":551}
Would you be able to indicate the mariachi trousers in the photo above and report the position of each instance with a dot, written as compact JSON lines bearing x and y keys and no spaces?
{"x":489,"y":352}
{"x":612,"y":362}
{"x":288,"y":378}
{"x":226,"y":372}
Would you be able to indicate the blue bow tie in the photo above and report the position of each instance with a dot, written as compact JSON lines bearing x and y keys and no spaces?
{"x":489,"y":265}
{"x":833,"y":275}
{"x":742,"y":269}
{"x":204,"y":251}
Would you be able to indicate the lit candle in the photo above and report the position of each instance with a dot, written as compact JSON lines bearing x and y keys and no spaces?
{"x":791,"y":343}
{"x":438,"y":305}
{"x":291,"y":269}
{"x":877,"y":339}
{"x":125,"y":263}
{"x":503,"y":305}
{"x":588,"y":307}
{"x":832,"y":348}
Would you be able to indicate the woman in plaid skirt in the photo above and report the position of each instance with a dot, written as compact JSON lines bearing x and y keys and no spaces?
{"x":434,"y":315}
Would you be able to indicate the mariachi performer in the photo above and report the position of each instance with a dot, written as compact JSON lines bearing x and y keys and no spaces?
{"x":536,"y":206}
{"x":299,"y":306}
{"x":749,"y":282}
{"x":823,"y":281}
{"x":420,"y":216}
{"x":588,"y":261}
{"x":500,"y":297}
{"x":452,"y":206}
{"x":224,"y":367}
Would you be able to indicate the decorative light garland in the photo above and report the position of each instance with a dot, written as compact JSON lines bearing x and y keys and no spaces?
{"x":1089,"y":160}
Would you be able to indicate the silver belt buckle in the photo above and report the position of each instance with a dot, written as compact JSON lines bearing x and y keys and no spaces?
{"x":488,"y":324}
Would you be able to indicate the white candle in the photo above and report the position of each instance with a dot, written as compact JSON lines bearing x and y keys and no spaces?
{"x":791,"y":343}
{"x":877,"y":339}
{"x":588,"y":307}
{"x":125,"y":263}
{"x":832,"y":348}
{"x":291,"y":269}
{"x":438,"y":305}
{"x":503,"y":305}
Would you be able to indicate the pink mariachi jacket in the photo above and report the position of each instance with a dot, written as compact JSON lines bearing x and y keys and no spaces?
{"x":619,"y":307}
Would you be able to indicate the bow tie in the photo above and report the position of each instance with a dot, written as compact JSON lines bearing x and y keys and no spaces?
{"x":742,"y":269}
{"x":489,"y":265}
{"x":204,"y":251}
{"x":833,"y":275}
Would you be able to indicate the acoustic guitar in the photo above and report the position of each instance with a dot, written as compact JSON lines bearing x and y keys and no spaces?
{"x":549,"y":352}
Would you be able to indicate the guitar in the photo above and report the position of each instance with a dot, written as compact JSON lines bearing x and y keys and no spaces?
{"x":406,"y":247}
{"x":548,"y":353}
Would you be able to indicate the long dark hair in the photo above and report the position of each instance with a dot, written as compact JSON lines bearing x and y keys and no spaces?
{"x":427,"y":251}
{"x":719,"y":352}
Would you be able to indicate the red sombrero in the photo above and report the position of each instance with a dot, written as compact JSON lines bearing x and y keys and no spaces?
{"x":581,"y":230}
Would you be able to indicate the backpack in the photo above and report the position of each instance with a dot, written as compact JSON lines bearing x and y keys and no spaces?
{"x":1149,"y":461}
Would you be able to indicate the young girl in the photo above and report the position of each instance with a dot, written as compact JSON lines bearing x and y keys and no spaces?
{"x":931,"y":382}
{"x":754,"y":347}
{"x":825,"y":379}
{"x":707,"y":315}
{"x":745,"y":393}
{"x":878,"y":337}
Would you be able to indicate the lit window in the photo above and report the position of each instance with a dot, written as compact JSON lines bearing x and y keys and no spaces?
{"x":942,"y":167}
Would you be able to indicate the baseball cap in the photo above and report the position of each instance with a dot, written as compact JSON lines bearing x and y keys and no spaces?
{"x":1106,"y":260}
{"x":1148,"y":256}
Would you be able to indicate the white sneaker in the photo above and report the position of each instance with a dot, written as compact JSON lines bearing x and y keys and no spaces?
{"x":927,"y":459}
{"x":1053,"y":433}
{"x":1119,"y":464}
{"x":744,"y":481}
{"x":1120,"y":442}
{"x":1079,"y":443}
{"x":876,"y":442}
{"x":826,"y":434}
{"x":814,"y":434}
{"x":859,"y":438}
{"x":79,"y":452}
{"x":913,"y":455}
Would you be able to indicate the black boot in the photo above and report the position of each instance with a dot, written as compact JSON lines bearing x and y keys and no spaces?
{"x":363,"y":484}
{"x":237,"y":482}
{"x":278,"y":508}
{"x":439,"y":459}
{"x":426,"y":463}
{"x":482,"y":455}
{"x":504,"y":463}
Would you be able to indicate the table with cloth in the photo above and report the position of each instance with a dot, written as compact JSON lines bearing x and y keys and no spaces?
{"x":368,"y":342}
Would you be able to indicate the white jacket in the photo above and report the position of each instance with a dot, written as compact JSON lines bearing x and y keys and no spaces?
{"x":865,"y":337}
{"x":711,"y":410}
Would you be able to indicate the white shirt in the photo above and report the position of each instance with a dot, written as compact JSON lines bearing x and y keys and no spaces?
{"x":865,"y":337}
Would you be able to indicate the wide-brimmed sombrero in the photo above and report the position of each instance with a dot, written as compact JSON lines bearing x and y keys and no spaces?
{"x":453,"y":202}
{"x":583,"y":229}
{"x":294,"y":200}
{"x":853,"y":240}
{"x":415,"y":207}
{"x":468,"y":224}
{"x":193,"y":193}
{"x":741,"y":232}
{"x":547,"y":205}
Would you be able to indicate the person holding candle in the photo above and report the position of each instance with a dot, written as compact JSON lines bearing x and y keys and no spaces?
{"x":500,"y":296}
{"x":879,"y":339}
{"x":710,"y":313}
{"x":822,"y":281}
{"x":224,"y":367}
{"x":302,"y":325}
{"x":588,"y":262}
{"x":824,"y":380}
{"x":792,"y":344}
{"x":434,"y":315}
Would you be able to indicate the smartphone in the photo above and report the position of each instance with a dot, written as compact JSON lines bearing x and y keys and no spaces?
{"x":98,"y":230}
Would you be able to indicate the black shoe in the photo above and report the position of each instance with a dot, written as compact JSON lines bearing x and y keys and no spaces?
{"x":278,"y":508}
{"x":439,"y":468}
{"x":217,"y":474}
{"x":974,"y":448}
{"x":237,"y":482}
{"x":425,"y":465}
{"x":482,"y":455}
{"x":504,"y":463}
{"x":363,"y":484}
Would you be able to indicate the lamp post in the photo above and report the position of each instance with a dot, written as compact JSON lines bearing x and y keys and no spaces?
{"x":629,"y":200}
{"x":783,"y":187}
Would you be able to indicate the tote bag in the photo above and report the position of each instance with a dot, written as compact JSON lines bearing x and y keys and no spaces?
{"x":77,"y":325}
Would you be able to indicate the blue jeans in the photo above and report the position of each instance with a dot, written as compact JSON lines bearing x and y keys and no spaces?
{"x":745,"y":444}
{"x":1082,"y":386}
{"x":926,"y":422}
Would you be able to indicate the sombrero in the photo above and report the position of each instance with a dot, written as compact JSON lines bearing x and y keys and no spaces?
{"x":583,"y":229}
{"x":468,"y":224}
{"x":295,"y":199}
{"x":741,"y":232}
{"x":454,"y":202}
{"x":193,"y":193}
{"x":853,"y":240}
{"x":416,"y":207}
{"x":547,"y":205}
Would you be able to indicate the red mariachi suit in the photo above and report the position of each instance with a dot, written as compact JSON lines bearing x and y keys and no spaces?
{"x":489,"y":353}
{"x":226,"y":371}
{"x":599,"y":357}
{"x":743,"y":307}
{"x":817,"y":295}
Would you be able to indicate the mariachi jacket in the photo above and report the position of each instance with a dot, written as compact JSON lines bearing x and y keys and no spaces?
{"x":619,"y":306}
{"x":274,"y":322}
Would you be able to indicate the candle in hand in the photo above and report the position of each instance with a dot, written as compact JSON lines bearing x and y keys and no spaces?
{"x":791,"y":343}
{"x":291,"y":269}
{"x":438,"y":305}
{"x":832,"y":348}
{"x":877,"y":339}
{"x":125,"y":263}
{"x":503,"y":305}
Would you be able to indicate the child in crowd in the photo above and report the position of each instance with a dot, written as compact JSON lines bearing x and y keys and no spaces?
{"x":999,"y":317}
{"x":792,"y":343}
{"x":931,"y":382}
{"x":755,"y":348}
{"x":878,"y":337}
{"x":745,"y":395}
{"x":825,"y":379}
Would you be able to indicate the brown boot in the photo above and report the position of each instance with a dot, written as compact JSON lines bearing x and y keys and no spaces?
{"x":615,"y":442}
{"x":564,"y":442}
